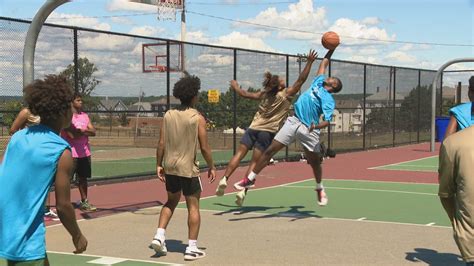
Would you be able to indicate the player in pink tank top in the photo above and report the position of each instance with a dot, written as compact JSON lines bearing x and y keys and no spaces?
{"x":77,"y":135}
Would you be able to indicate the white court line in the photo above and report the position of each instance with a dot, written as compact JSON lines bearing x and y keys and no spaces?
{"x":430,"y":224}
{"x":362,"y":218}
{"x":98,"y":256}
{"x":330,"y":218}
{"x":421,"y":166}
{"x":424,"y":158}
{"x":378,"y":181}
{"x":106,"y":261}
{"x":372,"y":190}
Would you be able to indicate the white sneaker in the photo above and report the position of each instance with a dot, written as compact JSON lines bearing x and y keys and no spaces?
{"x":221,"y":187}
{"x":240,"y":197}
{"x":322,"y":197}
{"x":51,"y":215}
{"x":159,"y":247}
{"x":193,"y":253}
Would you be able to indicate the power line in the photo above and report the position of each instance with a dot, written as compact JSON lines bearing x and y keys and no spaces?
{"x":321,"y":33}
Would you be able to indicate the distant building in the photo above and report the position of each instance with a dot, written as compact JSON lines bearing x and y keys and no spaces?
{"x":142,"y":108}
{"x":160,"y":107}
{"x":111,"y":105}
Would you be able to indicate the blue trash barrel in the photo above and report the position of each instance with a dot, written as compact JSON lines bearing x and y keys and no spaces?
{"x":441,"y":124}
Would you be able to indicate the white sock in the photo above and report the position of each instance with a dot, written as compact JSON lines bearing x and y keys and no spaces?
{"x":319,"y":185}
{"x":252,"y":176}
{"x":226,"y":178}
{"x":192,"y":243}
{"x":160,"y":234}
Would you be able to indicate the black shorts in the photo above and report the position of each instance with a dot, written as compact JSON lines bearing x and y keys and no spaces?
{"x":189,"y":186}
{"x":82,"y":167}
{"x":257,"y":138}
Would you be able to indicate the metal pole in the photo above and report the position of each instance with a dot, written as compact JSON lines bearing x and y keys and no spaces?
{"x":183,"y":36}
{"x":433,"y":95}
{"x":394,"y":102}
{"x":32,"y":37}
{"x":329,"y":127}
{"x":418,"y":113}
{"x":441,"y":95}
{"x":76,"y":63}
{"x":168,"y":84}
{"x":234,"y":101}
{"x":287,"y":84}
{"x":364,"y":146}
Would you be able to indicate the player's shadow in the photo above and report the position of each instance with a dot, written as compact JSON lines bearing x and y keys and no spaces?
{"x":136,"y":208}
{"x":432,"y":257}
{"x":294,"y":212}
{"x":173,"y":246}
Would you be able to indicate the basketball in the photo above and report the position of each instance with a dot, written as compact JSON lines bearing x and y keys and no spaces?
{"x":330,"y":40}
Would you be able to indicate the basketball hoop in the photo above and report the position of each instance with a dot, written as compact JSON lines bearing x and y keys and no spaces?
{"x":167,"y":9}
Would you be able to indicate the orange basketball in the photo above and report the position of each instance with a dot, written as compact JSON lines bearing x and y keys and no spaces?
{"x":330,"y":40}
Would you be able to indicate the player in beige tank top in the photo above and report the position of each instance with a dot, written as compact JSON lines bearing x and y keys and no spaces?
{"x":182,"y":130}
{"x":275,"y":102}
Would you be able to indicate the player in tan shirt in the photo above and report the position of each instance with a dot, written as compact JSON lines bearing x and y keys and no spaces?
{"x":183,"y":129}
{"x":275,"y":102}
{"x":456,"y":188}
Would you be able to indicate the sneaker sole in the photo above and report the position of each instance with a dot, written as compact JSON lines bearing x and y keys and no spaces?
{"x":220,"y":190}
{"x":239,"y":200}
{"x":190,"y":258}
{"x":157,"y":247}
{"x":238,"y":187}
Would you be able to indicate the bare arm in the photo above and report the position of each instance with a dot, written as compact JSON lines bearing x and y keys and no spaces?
{"x":90,"y":130}
{"x":303,"y":75}
{"x":160,"y":151}
{"x":452,"y":127}
{"x":246,"y":94}
{"x":63,"y":201}
{"x":20,"y":121}
{"x":205,"y":149}
{"x":325,"y":63}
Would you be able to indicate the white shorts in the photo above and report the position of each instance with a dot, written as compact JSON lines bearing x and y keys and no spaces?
{"x":294,"y":129}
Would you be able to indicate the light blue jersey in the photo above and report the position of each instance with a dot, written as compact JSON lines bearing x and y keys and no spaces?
{"x":314,"y":102}
{"x":463,"y":114}
{"x":26,"y":174}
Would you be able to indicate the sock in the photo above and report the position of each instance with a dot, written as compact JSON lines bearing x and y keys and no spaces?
{"x":160,"y":234}
{"x":252,"y":176}
{"x":226,"y":178}
{"x":319,"y":186}
{"x":192,"y":243}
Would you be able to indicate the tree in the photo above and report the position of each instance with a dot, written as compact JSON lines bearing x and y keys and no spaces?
{"x":86,"y":80}
{"x":12,"y":108}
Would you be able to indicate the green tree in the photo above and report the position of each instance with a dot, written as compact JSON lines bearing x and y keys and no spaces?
{"x":13,"y":107}
{"x":417,"y":105}
{"x":86,"y":79}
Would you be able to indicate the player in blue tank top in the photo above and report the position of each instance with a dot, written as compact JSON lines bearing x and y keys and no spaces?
{"x":305,"y":126}
{"x":462,"y":115}
{"x":35,"y":158}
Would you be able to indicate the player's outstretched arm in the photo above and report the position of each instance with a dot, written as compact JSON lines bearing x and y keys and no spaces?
{"x":205,"y":149}
{"x":243,"y":93}
{"x":63,"y":201}
{"x":325,"y":63}
{"x":304,"y":74}
{"x":20,"y":121}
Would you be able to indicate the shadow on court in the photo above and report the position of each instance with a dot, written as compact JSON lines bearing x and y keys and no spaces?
{"x":134,"y":208}
{"x":294,"y":212}
{"x":432,"y":257}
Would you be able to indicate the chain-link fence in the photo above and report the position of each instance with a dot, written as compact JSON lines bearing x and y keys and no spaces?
{"x":378,"y":106}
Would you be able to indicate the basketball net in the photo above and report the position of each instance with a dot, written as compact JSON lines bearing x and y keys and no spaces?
{"x":167,"y":9}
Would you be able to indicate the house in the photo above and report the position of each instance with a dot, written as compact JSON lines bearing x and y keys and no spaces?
{"x":160,"y":107}
{"x":383,"y":98}
{"x":347,"y":117}
{"x":143,"y":109}
{"x":111,"y":105}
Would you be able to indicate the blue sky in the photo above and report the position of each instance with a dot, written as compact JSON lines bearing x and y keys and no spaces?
{"x":419,"y":21}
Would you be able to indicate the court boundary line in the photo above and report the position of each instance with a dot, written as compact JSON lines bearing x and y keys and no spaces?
{"x":385,"y":165}
{"x":373,"y":190}
{"x":99,"y":256}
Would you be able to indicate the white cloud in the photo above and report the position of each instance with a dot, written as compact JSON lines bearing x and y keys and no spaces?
{"x":350,"y":30}
{"x":215,"y":59}
{"x":107,"y":42}
{"x":147,"y":31}
{"x":125,"y":5}
{"x":197,"y":37}
{"x":371,"y":21}
{"x":122,"y":20}
{"x":242,"y":40}
{"x":401,"y":57}
{"x":364,"y":59}
{"x":415,"y":47}
{"x":77,"y":20}
{"x":302,"y":16}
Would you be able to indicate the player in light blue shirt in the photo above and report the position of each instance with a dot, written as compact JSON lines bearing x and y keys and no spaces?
{"x":305,"y":125}
{"x":462,"y":116}
{"x":35,"y":158}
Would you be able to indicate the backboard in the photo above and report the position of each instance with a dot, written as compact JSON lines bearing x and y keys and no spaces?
{"x":166,"y":9}
{"x":177,"y":3}
{"x":154,"y":57}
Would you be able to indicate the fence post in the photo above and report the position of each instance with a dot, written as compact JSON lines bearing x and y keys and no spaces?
{"x":394,"y":101}
{"x":364,"y":146}
{"x":168,"y":102}
{"x":441,"y":95}
{"x":418,"y":118}
{"x":287,"y":84}
{"x":329,"y":127}
{"x":76,"y":62}
{"x":234,"y":102}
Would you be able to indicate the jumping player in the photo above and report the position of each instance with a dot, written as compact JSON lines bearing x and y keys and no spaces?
{"x":305,"y":126}
{"x":275,"y":102}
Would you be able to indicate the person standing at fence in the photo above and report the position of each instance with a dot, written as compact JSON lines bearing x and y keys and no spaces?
{"x":35,"y":158}
{"x":275,"y":102}
{"x":462,"y":116}
{"x":77,"y":135}
{"x":305,"y":126}
{"x":25,"y":119}
{"x":182,"y":130}
{"x":456,"y":188}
